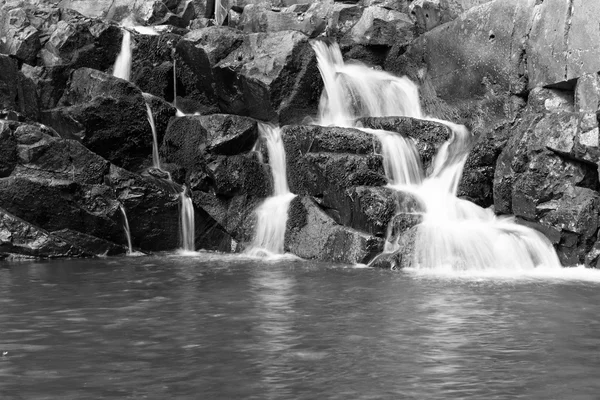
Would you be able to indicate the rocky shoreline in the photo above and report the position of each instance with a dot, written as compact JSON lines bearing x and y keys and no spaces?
{"x":75,"y":142}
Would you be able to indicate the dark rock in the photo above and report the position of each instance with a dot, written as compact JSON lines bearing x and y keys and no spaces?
{"x":241,"y":174}
{"x":312,"y":235}
{"x":229,"y":134}
{"x":17,"y":92}
{"x":108,"y":115}
{"x":197,"y":54}
{"x":20,"y":239}
{"x":8,"y":150}
{"x":387,"y":261}
{"x":270,"y":76}
{"x":90,"y":244}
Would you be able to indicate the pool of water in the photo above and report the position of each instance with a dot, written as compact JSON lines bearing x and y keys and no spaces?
{"x":217,"y":327}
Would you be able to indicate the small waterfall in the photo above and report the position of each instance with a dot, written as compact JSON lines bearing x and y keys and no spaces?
{"x":126,"y":229}
{"x":187,"y":222}
{"x":272,"y":214}
{"x":179,"y":113}
{"x":155,"y":156}
{"x":455,"y":234}
{"x":122,"y":67}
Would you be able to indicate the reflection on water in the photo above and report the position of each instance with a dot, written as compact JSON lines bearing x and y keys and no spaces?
{"x":216,"y":327}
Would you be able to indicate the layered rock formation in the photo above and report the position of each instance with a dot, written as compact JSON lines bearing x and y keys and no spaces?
{"x":522,"y":75}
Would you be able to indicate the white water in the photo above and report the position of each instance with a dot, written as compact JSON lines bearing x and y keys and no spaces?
{"x":155,"y":156}
{"x":122,"y":67}
{"x":272,"y":214}
{"x":126,"y":229}
{"x":455,"y":234}
{"x":187,"y":222}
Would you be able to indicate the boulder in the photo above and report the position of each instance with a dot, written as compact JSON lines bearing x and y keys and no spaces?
{"x":107,"y":115}
{"x":91,"y":244}
{"x":19,"y":38}
{"x":313,"y":235}
{"x":271,"y":76}
{"x":240,"y":175}
{"x":20,"y":239}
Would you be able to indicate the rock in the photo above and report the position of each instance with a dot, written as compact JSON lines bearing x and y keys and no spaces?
{"x":560,"y":46}
{"x":322,"y":161}
{"x":147,"y":12}
{"x":428,"y":135}
{"x":91,"y":244}
{"x":260,"y":18}
{"x":402,"y":5}
{"x":8,"y":149}
{"x":386,"y":261}
{"x":19,"y":38}
{"x":380,"y":27}
{"x":270,"y":76}
{"x":108,"y":115}
{"x":17,"y":92}
{"x":430,"y":13}
{"x":312,"y":235}
{"x":54,"y":205}
{"x":240,"y":174}
{"x":20,"y":239}
{"x":197,"y":54}
{"x":191,"y":141}
{"x":550,"y":100}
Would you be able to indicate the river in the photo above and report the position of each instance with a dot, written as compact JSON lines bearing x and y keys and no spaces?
{"x":223,"y":327}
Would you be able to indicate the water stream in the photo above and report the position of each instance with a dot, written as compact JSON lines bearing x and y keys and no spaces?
{"x":126,"y":229}
{"x":272,"y":214}
{"x":122,"y":67}
{"x":455,"y":233}
{"x":187,"y":222}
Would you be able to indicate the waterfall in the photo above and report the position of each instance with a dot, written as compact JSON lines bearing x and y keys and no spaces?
{"x":187,"y":222}
{"x":454,"y":233}
{"x":126,"y":229}
{"x":122,"y":67}
{"x":272,"y":214}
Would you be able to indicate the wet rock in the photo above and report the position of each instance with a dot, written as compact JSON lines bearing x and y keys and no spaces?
{"x":191,"y":141}
{"x":108,"y":116}
{"x":270,"y":76}
{"x":387,"y":261}
{"x":8,"y":150}
{"x":54,"y":205}
{"x":197,"y":54}
{"x":312,"y":235}
{"x":90,"y":244}
{"x":428,"y":135}
{"x":20,"y":239}
{"x":241,"y":174}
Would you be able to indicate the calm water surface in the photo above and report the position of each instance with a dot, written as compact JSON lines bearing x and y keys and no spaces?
{"x":215,"y":327}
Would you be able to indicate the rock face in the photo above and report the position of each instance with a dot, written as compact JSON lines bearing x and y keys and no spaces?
{"x":17,"y":92}
{"x":545,"y":174}
{"x":271,"y":76}
{"x":430,"y":13}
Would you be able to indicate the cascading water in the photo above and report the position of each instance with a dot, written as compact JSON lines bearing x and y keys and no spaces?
{"x":126,"y":229}
{"x":187,"y":222}
{"x":454,"y":233}
{"x":122,"y":67}
{"x":272,"y":214}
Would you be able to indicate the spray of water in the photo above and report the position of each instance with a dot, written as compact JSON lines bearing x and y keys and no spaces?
{"x":272,"y":214}
{"x":455,"y":234}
